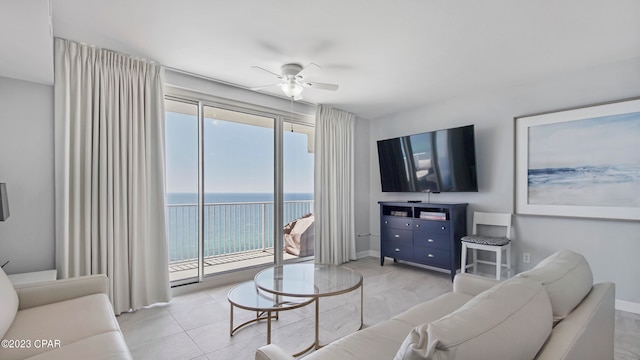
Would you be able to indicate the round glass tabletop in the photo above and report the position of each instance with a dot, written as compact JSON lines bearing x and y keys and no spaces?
{"x":248,"y":297}
{"x":308,"y":280}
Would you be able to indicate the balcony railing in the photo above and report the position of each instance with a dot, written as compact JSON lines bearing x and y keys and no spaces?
{"x":230,"y":228}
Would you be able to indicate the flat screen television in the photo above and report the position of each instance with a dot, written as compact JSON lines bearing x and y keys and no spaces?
{"x":431,"y":162}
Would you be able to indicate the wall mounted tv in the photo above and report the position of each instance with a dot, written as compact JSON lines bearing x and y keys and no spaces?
{"x":431,"y":162}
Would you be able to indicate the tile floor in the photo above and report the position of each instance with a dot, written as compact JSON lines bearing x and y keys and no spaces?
{"x":196,"y":325}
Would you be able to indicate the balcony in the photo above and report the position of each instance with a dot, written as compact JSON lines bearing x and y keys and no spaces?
{"x":236,"y":235}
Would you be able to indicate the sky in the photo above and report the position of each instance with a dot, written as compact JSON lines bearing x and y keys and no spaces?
{"x":238,"y":157}
{"x":607,"y":140}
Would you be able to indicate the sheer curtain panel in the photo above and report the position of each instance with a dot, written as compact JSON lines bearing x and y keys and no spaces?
{"x":334,"y":187}
{"x":109,"y":172}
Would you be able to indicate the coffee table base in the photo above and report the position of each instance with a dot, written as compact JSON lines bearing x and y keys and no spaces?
{"x":260,"y":315}
{"x":266,"y":315}
{"x":311,"y":281}
{"x":247,"y":297}
{"x":317,"y":328}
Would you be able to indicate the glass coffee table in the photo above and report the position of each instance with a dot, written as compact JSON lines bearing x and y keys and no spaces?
{"x":311,"y":281}
{"x":266,"y":305}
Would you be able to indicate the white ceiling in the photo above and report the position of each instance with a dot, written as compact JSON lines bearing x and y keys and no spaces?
{"x":387,"y":56}
{"x":26,"y":45}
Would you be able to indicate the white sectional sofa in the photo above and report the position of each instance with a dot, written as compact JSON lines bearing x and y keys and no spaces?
{"x":552,"y":312}
{"x":61,"y":319}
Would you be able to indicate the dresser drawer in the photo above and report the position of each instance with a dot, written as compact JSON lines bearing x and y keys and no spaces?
{"x":434,"y":241}
{"x":400,"y":251}
{"x":397,"y":236}
{"x":432,"y":226}
{"x":397,"y":222}
{"x":431,"y":256}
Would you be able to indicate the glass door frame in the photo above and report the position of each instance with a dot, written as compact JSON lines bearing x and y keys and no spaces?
{"x":201,"y":184}
{"x":200,"y":237}
{"x":280,"y":117}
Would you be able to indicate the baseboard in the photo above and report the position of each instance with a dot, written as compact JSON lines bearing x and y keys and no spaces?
{"x":628,"y":306}
{"x":367,"y":253}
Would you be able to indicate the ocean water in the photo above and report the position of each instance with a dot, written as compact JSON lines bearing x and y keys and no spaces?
{"x":610,"y":186}
{"x":233,"y":222}
{"x":192,"y":198}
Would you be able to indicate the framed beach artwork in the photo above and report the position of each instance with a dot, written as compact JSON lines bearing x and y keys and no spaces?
{"x":580,"y":163}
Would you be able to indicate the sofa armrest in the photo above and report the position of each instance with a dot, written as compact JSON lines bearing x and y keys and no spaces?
{"x":272,"y":352}
{"x":47,"y":292}
{"x":472,"y":284}
{"x":588,"y":332}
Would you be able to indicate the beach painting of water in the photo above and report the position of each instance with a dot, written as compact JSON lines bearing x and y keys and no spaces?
{"x":583,"y":162}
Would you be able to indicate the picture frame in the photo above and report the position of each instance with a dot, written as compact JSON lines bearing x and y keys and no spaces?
{"x":583,"y":162}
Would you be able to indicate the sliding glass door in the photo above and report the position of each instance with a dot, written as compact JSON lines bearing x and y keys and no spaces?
{"x":239,"y":189}
{"x":182,"y":164}
{"x":235,"y":178}
{"x":298,"y":143}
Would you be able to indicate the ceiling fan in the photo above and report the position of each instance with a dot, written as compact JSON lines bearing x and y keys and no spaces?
{"x":292,"y":80}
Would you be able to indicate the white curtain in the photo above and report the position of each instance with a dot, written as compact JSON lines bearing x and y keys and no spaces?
{"x":109,"y":165}
{"x":334,"y":187}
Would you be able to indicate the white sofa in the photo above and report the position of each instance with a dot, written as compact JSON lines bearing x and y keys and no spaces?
{"x":552,"y":312}
{"x":61,"y":319}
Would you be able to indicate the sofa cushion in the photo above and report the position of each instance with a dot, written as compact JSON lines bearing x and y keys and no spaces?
{"x":377,"y":342}
{"x":433,"y":309}
{"x":8,"y":303}
{"x":567,"y":278}
{"x":67,"y":321}
{"x":381,"y":341}
{"x":272,"y":351}
{"x":517,"y":309}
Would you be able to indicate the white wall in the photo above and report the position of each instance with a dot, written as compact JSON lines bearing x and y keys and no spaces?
{"x":610,"y":246}
{"x":26,"y":165}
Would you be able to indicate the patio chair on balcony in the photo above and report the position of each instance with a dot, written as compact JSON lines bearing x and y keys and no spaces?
{"x":299,"y":236}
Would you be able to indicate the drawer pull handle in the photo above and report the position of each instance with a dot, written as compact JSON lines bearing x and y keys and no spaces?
{"x":397,"y":236}
{"x":430,"y":240}
{"x":431,"y":255}
{"x":386,"y":222}
{"x":417,"y":225}
{"x":397,"y":250}
{"x":443,"y":228}
{"x":408,"y":224}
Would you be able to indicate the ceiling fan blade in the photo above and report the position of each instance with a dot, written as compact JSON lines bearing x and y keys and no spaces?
{"x":323,"y":86}
{"x":279,"y":76}
{"x":307,"y":67}
{"x":264,"y":87}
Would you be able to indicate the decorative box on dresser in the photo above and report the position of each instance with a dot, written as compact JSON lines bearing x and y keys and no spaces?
{"x":423,"y":233}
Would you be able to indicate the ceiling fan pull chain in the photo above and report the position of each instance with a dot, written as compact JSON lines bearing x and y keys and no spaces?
{"x":291,"y":114}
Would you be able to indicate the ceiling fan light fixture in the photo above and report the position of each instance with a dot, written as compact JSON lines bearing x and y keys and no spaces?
{"x":292,"y":89}
{"x":292,"y":81}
